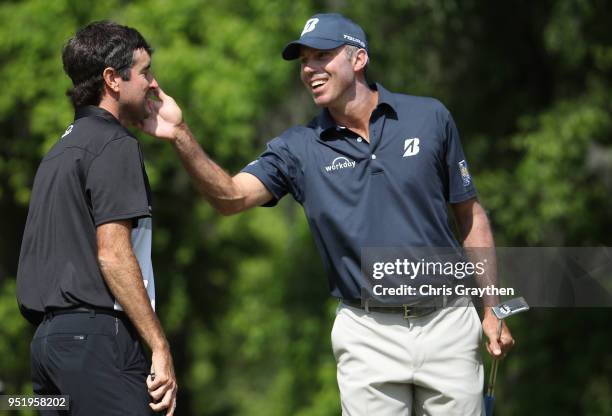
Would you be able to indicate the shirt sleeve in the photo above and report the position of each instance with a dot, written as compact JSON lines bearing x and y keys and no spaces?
{"x":278,"y":170}
{"x":116,"y":183}
{"x":460,"y":184}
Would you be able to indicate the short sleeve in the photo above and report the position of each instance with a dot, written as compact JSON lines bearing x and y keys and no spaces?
{"x":278,"y":170}
{"x":461,"y":186}
{"x":116,"y":183}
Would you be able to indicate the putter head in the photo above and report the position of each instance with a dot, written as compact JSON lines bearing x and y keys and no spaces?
{"x":510,"y":307}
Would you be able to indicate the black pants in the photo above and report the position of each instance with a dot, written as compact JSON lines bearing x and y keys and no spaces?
{"x":96,"y":359}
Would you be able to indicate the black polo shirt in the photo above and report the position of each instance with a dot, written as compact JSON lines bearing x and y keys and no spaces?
{"x":93,"y":175}
{"x":391,"y":192}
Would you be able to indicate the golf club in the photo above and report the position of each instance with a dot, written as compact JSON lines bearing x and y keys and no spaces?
{"x":501,"y":311}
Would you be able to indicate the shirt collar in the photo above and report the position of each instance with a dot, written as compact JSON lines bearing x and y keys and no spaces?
{"x":386,"y":100}
{"x":94,"y":111}
{"x":325,"y":124}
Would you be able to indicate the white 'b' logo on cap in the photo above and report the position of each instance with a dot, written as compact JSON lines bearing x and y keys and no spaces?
{"x":310,"y":25}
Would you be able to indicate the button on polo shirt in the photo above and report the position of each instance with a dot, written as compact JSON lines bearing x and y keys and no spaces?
{"x":390,"y":192}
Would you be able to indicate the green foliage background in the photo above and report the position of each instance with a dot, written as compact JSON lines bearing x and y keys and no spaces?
{"x":243,"y":299}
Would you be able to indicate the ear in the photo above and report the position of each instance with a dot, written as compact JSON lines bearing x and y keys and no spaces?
{"x":111,"y":79}
{"x":361,"y":60}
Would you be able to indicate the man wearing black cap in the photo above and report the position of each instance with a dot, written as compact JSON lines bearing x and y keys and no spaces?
{"x":373,"y":169}
{"x":85,"y":274}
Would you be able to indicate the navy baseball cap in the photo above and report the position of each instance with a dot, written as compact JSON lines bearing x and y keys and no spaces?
{"x":327,"y":31}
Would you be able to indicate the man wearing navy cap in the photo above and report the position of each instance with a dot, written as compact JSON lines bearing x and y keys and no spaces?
{"x":373,"y":169}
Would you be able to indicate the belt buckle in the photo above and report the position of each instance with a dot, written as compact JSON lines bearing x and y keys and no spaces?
{"x":407,"y":311}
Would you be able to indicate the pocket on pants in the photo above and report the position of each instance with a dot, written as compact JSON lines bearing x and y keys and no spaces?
{"x":81,"y":352}
{"x":335,"y":333}
{"x":67,"y":351}
{"x":478,"y":322}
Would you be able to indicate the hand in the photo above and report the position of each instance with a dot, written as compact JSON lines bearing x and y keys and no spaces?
{"x":165,"y":116}
{"x":162,"y":382}
{"x":497,"y":347}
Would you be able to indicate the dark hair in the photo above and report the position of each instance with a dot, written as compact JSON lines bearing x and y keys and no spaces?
{"x":95,"y":47}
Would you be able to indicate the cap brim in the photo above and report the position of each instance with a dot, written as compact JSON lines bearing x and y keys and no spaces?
{"x":292,"y":50}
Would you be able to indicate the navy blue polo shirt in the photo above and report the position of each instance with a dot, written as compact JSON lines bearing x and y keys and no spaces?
{"x":390,"y":192}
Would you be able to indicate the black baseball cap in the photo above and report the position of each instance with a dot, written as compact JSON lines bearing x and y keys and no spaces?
{"x":327,"y":31}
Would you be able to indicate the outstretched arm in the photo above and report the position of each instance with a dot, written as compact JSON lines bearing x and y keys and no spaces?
{"x":227,"y":194}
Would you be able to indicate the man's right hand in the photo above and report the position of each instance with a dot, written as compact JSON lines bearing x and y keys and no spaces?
{"x":162,"y":382}
{"x":165,"y":117}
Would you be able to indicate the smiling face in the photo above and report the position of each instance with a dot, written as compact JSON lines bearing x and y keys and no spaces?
{"x":329,"y":75}
{"x":133,"y":92}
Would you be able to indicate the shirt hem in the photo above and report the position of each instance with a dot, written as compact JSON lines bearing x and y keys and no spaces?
{"x":126,"y":216}
{"x":265,"y":183}
{"x":462,"y":197}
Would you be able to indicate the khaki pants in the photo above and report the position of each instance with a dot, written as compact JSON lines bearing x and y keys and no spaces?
{"x":388,"y":365}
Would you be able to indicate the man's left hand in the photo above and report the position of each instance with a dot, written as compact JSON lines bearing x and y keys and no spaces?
{"x":498,"y":347}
